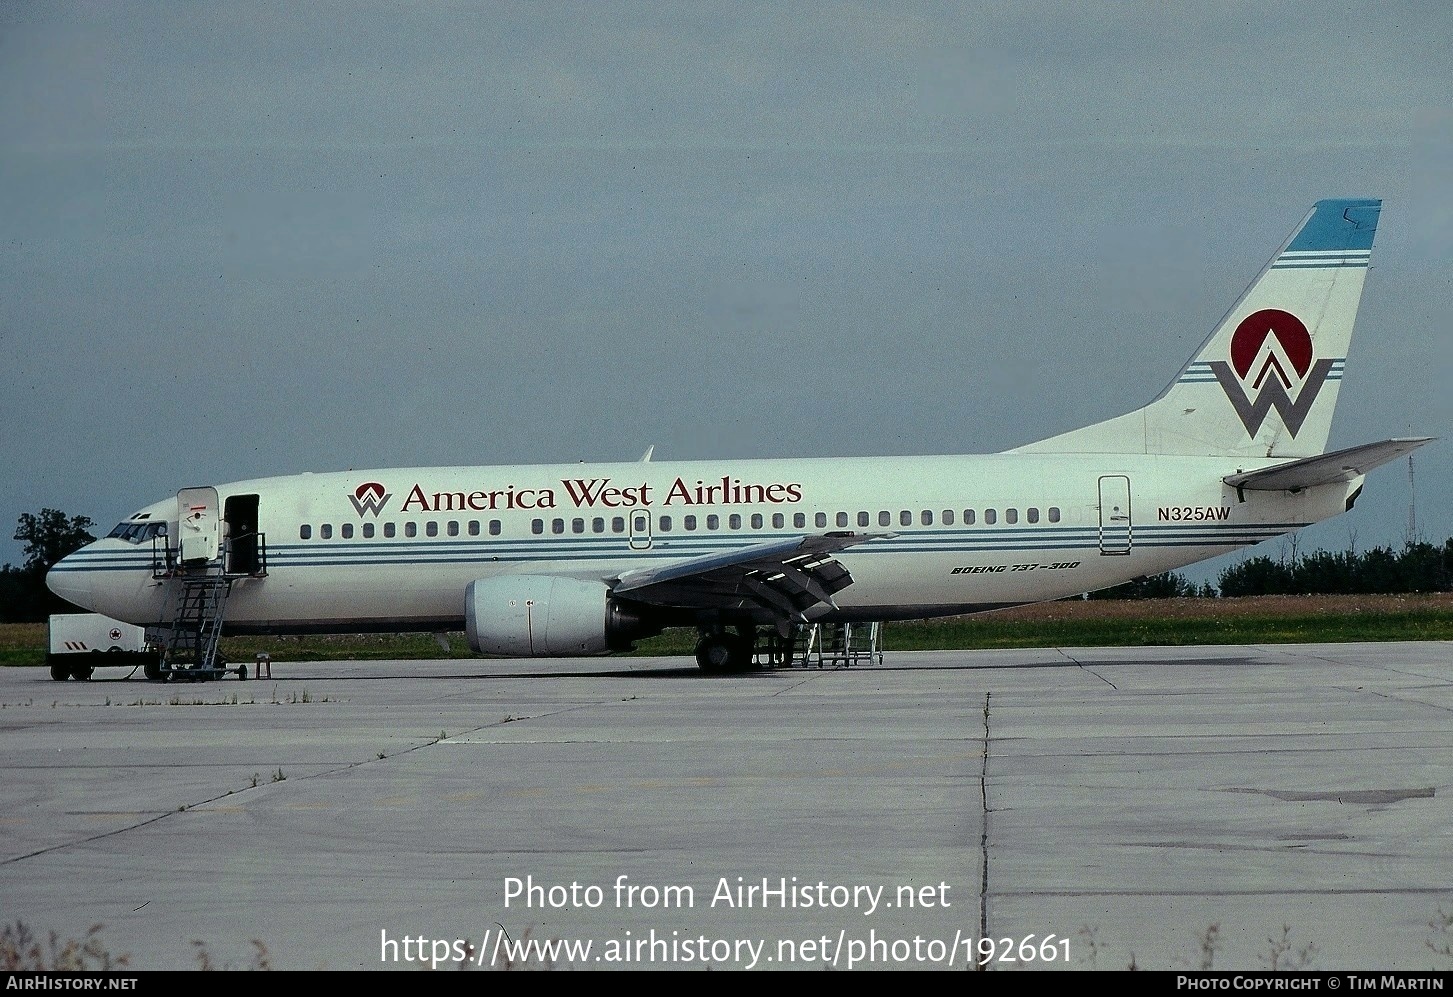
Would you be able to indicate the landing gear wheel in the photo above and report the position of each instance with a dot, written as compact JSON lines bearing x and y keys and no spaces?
{"x":724,"y":652}
{"x":714,"y":653}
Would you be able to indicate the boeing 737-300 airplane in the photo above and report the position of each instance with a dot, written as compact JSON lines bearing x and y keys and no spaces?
{"x":577,"y":559}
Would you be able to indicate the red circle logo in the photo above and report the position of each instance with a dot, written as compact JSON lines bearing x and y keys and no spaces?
{"x":1248,"y":342}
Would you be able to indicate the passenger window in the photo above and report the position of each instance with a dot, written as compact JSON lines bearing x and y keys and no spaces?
{"x":1054,"y":514}
{"x":537,"y":526}
{"x":1032,"y":514}
{"x":864,"y":519}
{"x":778,"y":521}
{"x":453,"y":528}
{"x":735,"y":521}
{"x":688,"y":522}
{"x":431,"y":528}
{"x":905,"y":518}
{"x":799,"y":520}
{"x":346,"y":532}
{"x":305,"y":532}
{"x":990,"y":517}
{"x":474,"y":527}
{"x":326,"y":531}
{"x":411,"y":529}
{"x":713,"y":522}
{"x":597,"y":525}
{"x":885,"y":518}
{"x":665,"y":524}
{"x":368,"y":531}
{"x":494,"y":527}
{"x":821,"y":520}
{"x":842,"y":519}
{"x":557,"y":526}
{"x":948,"y":517}
{"x":389,"y":529}
{"x":618,"y":524}
{"x":1011,"y":516}
{"x":756,"y":520}
{"x":577,"y":526}
{"x":927,"y":518}
{"x":968,"y":517}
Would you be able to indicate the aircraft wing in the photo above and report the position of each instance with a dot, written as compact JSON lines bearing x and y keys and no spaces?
{"x":794,"y":578}
{"x":1326,"y":469}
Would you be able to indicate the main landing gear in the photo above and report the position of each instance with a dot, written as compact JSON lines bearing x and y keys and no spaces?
{"x":719,"y":651}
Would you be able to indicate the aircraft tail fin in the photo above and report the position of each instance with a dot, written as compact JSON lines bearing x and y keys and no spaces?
{"x":1264,"y":383}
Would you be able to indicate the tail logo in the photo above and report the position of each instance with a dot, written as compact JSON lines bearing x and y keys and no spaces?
{"x":1271,"y":356}
{"x":369,"y":498}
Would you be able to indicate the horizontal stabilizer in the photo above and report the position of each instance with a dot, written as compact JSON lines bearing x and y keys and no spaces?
{"x":1326,"y":469}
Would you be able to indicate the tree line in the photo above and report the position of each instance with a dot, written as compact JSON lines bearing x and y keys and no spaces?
{"x":1416,"y":567}
{"x":47,"y":538}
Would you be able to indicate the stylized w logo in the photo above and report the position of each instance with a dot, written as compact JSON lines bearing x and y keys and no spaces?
{"x":369,"y":498}
{"x":1272,"y":396}
{"x":1269,"y":350}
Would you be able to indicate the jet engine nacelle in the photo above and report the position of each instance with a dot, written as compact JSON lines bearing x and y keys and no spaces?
{"x":523,"y":616}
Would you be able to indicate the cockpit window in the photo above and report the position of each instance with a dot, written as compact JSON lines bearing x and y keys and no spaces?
{"x":137,"y":533}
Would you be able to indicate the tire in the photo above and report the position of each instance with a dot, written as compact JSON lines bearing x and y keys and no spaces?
{"x":714,"y":654}
{"x":152,"y":668}
{"x":60,"y":671}
{"x":82,"y":673}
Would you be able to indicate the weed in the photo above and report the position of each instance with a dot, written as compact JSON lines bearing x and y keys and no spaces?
{"x":1091,"y":943}
{"x":1442,"y":940}
{"x":278,"y":775}
{"x":1277,"y":958}
{"x":1209,"y":941}
{"x":21,"y":951}
{"x":252,"y":783}
{"x":260,"y":958}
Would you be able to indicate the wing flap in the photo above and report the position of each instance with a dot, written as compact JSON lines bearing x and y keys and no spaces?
{"x":794,"y":578}
{"x":1326,"y":469}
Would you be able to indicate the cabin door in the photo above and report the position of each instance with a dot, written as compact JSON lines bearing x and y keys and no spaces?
{"x":198,"y":525}
{"x":242,"y":538}
{"x":1115,"y":514}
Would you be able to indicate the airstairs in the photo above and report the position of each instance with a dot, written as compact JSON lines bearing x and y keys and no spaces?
{"x":190,"y":649}
{"x":821,"y":645}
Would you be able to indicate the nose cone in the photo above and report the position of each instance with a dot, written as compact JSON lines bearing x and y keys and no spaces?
{"x":69,"y":579}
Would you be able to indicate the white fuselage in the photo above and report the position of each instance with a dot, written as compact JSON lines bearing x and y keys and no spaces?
{"x":956,"y":534}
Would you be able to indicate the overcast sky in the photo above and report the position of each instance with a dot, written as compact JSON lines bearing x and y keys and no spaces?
{"x":254,"y":238}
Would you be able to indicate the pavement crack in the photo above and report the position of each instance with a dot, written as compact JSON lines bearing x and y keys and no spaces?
{"x":984,"y":832}
{"x":1086,"y":668}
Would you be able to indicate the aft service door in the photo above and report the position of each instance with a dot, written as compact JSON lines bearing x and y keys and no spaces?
{"x":1115,"y":514}
{"x":198,"y":525}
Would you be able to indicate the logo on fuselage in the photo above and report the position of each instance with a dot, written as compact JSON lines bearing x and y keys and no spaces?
{"x":369,"y":498}
{"x":1271,"y":355}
